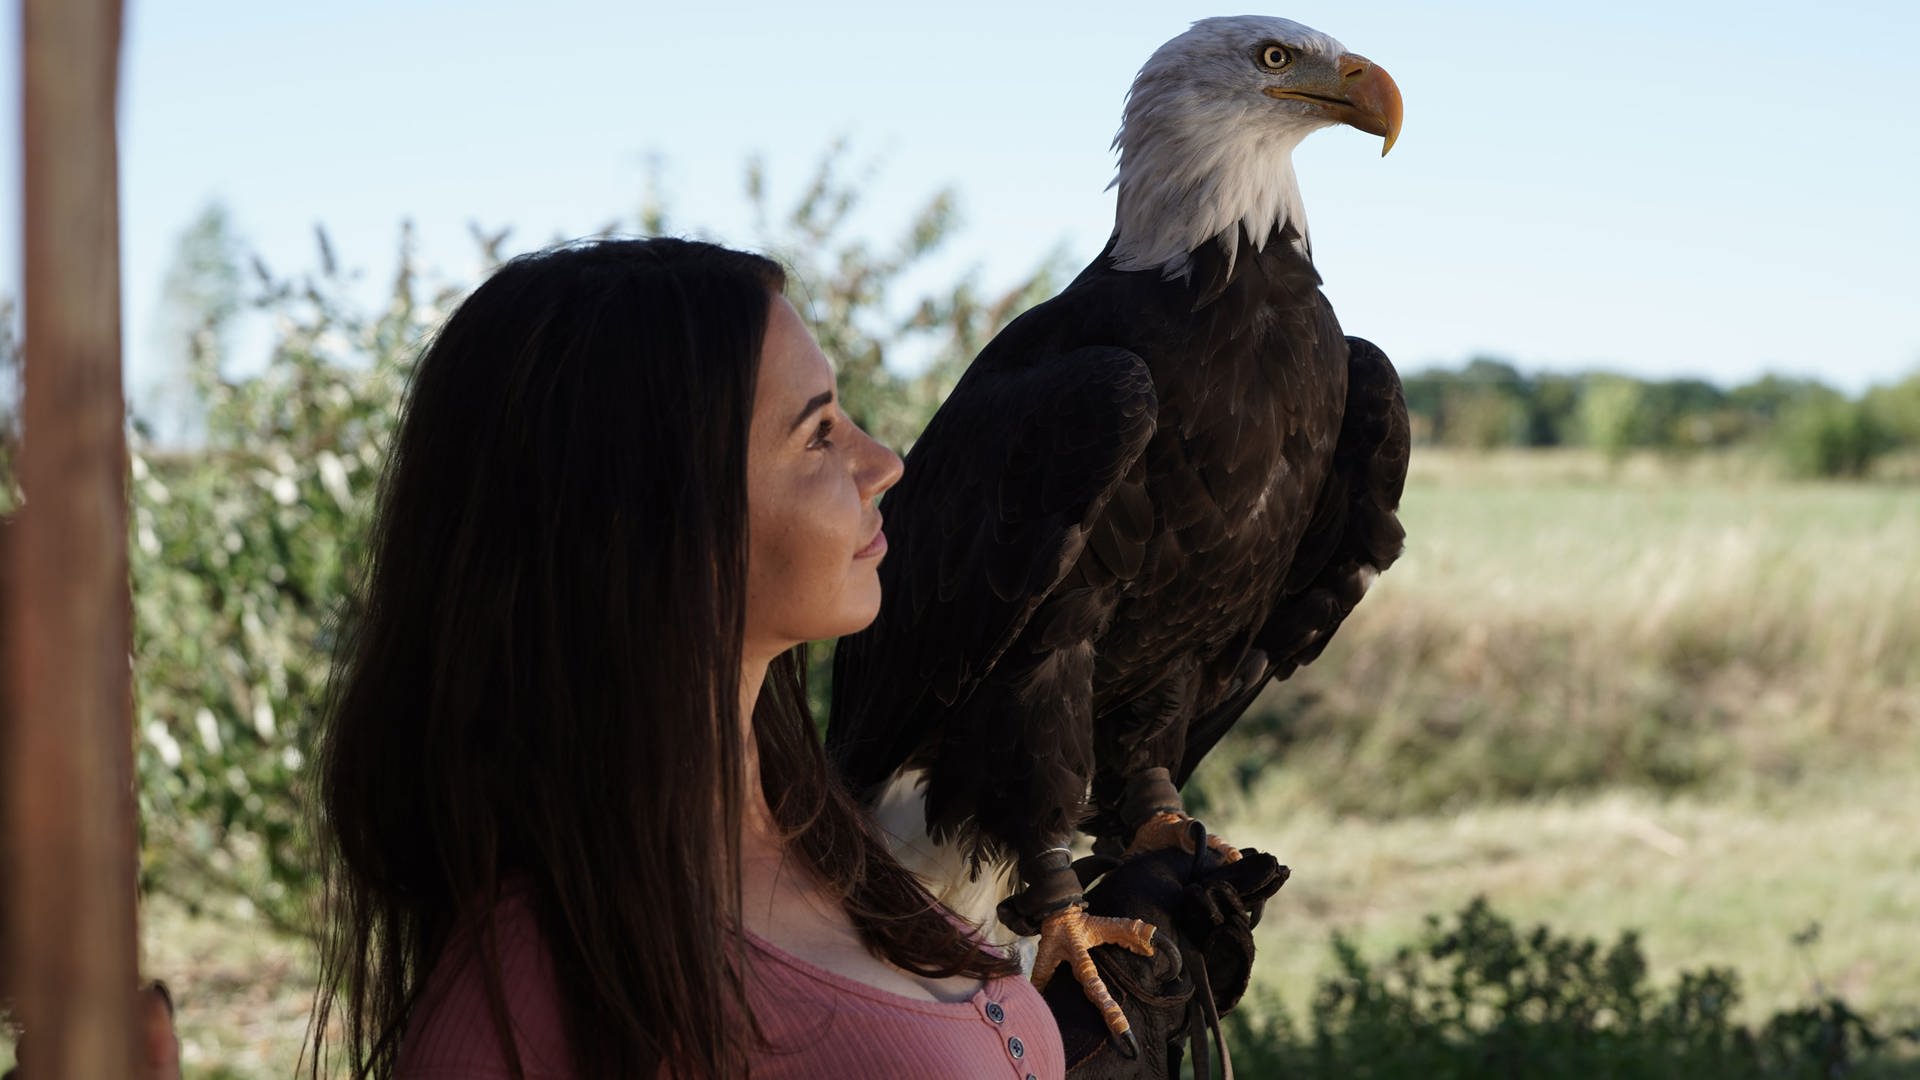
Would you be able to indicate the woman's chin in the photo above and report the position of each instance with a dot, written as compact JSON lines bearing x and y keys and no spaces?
{"x":864,"y":606}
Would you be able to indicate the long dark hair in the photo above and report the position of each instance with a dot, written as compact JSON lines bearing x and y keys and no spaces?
{"x":541,"y":682}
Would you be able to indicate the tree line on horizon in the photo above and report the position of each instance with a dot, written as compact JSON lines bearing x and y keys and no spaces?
{"x":1816,"y":430}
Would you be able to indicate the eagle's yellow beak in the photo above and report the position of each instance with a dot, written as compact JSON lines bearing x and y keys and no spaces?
{"x":1366,"y":98}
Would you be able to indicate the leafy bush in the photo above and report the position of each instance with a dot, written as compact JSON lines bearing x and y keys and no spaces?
{"x":1897,"y":409}
{"x":1482,"y":998}
{"x":243,"y":550}
{"x":1834,"y":438}
{"x":1609,"y":411}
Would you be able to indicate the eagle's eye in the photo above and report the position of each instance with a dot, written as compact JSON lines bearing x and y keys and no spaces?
{"x":1274,"y":56}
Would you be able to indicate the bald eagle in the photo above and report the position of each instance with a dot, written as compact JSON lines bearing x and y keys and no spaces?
{"x":1145,"y":499}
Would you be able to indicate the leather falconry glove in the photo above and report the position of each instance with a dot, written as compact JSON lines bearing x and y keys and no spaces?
{"x":1205,"y":909}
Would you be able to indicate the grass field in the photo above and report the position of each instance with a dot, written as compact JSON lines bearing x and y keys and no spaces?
{"x":1679,"y":699}
{"x":1725,"y":882}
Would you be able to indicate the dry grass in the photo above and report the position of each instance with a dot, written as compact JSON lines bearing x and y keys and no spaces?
{"x":1550,"y":629}
{"x":1722,"y":882}
{"x":242,"y":991}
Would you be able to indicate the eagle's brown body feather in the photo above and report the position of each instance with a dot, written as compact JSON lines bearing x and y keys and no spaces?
{"x":1146,"y":498}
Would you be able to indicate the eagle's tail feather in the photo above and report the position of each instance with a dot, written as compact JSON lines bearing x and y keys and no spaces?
{"x":900,"y":810}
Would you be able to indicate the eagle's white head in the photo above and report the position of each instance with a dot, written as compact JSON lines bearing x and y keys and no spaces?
{"x":1206,"y":141}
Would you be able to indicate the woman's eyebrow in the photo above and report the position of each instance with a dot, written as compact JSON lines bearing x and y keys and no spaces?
{"x":813,"y":404}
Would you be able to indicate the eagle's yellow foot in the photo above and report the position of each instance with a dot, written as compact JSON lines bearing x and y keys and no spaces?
{"x":1067,"y":935}
{"x":1167,"y":829}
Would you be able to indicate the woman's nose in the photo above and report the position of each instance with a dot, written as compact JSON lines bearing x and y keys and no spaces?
{"x":881,"y":470}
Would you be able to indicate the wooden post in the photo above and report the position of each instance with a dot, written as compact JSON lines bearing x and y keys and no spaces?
{"x":70,"y":767}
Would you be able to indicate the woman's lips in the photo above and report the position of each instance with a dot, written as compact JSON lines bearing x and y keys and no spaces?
{"x":875,"y":548}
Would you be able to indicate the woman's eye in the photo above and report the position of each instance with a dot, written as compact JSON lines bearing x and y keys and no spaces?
{"x":821,"y":436}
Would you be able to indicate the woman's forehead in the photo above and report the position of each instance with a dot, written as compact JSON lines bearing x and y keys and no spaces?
{"x":791,"y":359}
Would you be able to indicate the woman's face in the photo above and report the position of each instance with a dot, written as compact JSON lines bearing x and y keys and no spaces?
{"x":814,"y":541}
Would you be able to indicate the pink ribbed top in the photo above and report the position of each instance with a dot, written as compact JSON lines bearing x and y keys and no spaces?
{"x":817,"y":1023}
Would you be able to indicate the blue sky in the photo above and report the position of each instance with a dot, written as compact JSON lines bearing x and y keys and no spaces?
{"x":1712,"y":188}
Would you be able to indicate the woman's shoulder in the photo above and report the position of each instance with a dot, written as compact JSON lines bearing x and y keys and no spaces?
{"x":452,"y":1032}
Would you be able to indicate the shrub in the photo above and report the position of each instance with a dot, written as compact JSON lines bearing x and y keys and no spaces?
{"x":1833,"y":438}
{"x":1480,"y":997}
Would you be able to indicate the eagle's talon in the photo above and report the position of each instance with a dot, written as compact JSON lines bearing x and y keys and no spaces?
{"x":1224,"y":849}
{"x":1163,"y":831}
{"x":1066,"y":937}
{"x":1170,"y":829}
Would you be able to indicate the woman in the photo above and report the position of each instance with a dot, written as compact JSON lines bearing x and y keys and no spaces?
{"x":579,"y":821}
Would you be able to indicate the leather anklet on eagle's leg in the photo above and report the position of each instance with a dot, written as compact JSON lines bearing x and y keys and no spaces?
{"x":1053,"y":907}
{"x":1153,"y":810}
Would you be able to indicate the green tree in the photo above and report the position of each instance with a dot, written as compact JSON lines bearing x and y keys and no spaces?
{"x":1553,"y":409}
{"x":1676,"y":414}
{"x":1833,"y":437}
{"x":1610,"y":414}
{"x":1424,"y":391}
{"x":1771,"y":397}
{"x":1896,"y":409}
{"x":201,"y":296}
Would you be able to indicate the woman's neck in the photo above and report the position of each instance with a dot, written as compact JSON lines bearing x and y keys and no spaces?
{"x":777,"y":889}
{"x":758,"y":830}
{"x":782,"y":900}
